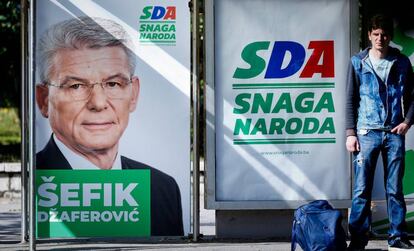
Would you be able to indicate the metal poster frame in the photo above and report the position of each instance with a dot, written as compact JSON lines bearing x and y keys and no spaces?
{"x":210,"y":153}
{"x":31,"y":128}
{"x":28,"y":155}
{"x":24,"y":56}
{"x":196,"y":112}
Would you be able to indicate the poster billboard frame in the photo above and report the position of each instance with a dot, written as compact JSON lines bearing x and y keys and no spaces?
{"x":28,"y":123}
{"x":211,"y":200}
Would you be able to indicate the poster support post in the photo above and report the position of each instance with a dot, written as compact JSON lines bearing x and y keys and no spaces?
{"x":23,"y":120}
{"x":31,"y":129}
{"x":196,"y":112}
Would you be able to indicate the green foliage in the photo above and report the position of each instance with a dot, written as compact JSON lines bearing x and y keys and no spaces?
{"x":10,"y":53}
{"x":9,"y":126}
{"x":9,"y":135}
{"x":10,"y":75}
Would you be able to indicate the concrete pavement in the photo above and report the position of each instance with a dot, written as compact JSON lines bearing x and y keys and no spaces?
{"x":10,"y":238}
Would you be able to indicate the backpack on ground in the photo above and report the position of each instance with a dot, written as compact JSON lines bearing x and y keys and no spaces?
{"x":317,"y":227}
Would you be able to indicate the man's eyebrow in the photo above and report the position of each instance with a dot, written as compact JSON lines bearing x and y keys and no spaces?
{"x":84,"y":80}
{"x":69,"y":78}
{"x":117,"y":75}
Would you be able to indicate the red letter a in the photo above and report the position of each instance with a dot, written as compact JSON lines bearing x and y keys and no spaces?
{"x":170,"y":13}
{"x":324,"y":49}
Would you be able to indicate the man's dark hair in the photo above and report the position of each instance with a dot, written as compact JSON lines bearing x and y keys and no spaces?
{"x":383,"y":22}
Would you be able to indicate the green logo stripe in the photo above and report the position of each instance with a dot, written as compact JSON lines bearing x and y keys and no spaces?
{"x":380,"y":223}
{"x":157,"y":41}
{"x":153,"y":44}
{"x":157,"y":22}
{"x":381,"y":227}
{"x":284,"y":141}
{"x":386,"y":221}
{"x":283,"y":85}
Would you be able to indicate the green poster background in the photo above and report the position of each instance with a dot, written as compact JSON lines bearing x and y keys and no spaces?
{"x":103,"y":217}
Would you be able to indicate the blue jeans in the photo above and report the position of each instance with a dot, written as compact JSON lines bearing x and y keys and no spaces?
{"x":392,"y":148}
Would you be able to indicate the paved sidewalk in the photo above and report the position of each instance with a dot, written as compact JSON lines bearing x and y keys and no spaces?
{"x":10,"y":238}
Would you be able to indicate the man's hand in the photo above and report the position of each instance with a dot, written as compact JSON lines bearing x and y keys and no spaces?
{"x":352,"y":144}
{"x":401,"y":129}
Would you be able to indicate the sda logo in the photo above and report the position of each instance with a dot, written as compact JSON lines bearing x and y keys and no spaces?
{"x":320,"y":61}
{"x":158,"y":25}
{"x":158,"y":13}
{"x":285,"y":113}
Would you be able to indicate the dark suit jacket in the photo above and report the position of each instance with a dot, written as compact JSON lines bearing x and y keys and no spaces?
{"x":166,"y":213}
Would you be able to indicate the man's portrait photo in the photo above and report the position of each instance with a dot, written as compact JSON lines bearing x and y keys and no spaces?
{"x":88,"y":87}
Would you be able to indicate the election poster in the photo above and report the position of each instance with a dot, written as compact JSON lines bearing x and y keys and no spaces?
{"x":279,"y":83}
{"x":112,"y":128}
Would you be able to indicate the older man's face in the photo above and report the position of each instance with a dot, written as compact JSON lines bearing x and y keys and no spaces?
{"x":95,"y":122}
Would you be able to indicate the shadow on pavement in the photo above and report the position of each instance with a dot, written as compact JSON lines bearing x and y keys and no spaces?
{"x":9,"y":228}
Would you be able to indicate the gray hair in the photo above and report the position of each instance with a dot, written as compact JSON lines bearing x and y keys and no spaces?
{"x":84,"y":32}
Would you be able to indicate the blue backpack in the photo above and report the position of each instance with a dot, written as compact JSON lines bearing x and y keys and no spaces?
{"x":317,"y":227}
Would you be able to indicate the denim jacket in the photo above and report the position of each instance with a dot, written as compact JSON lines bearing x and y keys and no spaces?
{"x":374,"y":104}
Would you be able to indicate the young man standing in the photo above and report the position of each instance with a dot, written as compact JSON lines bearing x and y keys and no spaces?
{"x":380,"y":110}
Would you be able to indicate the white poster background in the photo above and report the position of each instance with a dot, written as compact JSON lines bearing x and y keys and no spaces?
{"x":263,"y":172}
{"x":158,"y":133}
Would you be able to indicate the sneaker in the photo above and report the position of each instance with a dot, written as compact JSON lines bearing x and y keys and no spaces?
{"x":401,"y":244}
{"x":355,"y":247}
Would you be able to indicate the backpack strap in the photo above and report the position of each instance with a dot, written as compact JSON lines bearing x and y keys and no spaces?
{"x":293,"y":242}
